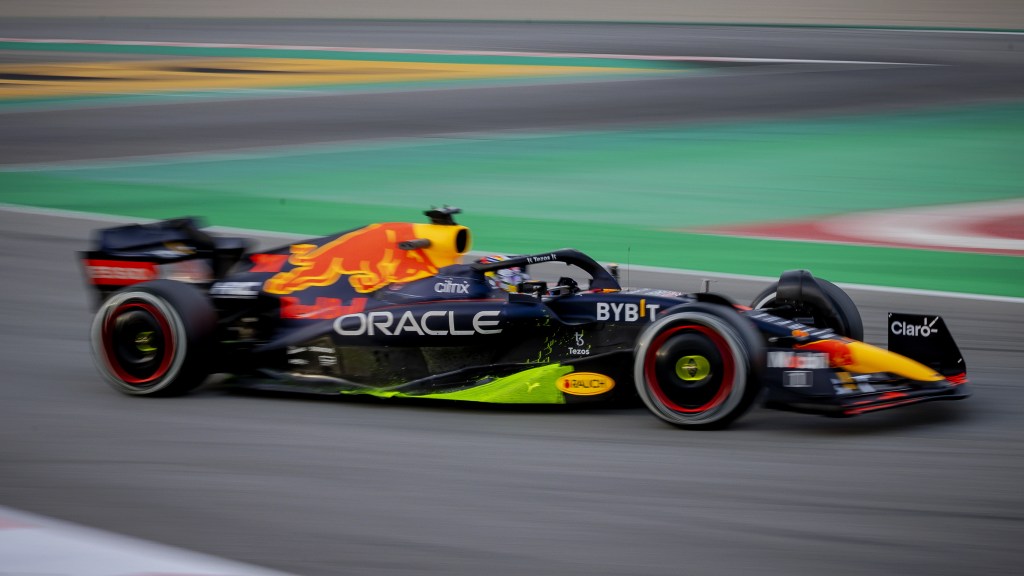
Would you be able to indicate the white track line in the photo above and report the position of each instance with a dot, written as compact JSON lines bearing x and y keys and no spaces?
{"x":844,"y":285}
{"x":356,"y":50}
{"x":36,"y":545}
{"x":286,"y":236}
{"x":938,"y":31}
{"x":953,"y":225}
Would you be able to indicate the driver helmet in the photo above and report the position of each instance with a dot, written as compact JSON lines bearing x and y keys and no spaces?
{"x":507,"y":279}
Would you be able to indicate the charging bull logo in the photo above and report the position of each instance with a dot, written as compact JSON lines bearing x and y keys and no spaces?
{"x":370,"y":257}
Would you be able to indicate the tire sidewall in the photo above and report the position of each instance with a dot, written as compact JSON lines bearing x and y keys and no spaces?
{"x":742,"y":352}
{"x":190,"y":321}
{"x":766,"y":297}
{"x":847,"y":308}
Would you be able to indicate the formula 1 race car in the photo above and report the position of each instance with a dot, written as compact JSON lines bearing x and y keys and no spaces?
{"x":389,"y":310}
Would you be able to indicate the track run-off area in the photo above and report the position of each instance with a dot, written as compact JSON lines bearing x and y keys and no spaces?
{"x":884,"y":160}
{"x":690,"y":182}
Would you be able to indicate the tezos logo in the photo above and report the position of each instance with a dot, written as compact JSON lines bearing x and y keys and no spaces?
{"x":924,"y":330}
{"x":449,"y":287}
{"x":579,"y":349}
{"x":541,"y":258}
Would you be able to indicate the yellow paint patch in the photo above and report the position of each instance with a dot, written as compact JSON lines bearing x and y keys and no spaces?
{"x":868,"y":359}
{"x":585,"y":383}
{"x":864,"y":358}
{"x":64,"y":79}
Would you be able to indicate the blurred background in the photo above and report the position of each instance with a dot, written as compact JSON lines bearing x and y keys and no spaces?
{"x":878,"y":145}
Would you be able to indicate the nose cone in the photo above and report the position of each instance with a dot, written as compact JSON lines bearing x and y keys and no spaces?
{"x":864,"y":358}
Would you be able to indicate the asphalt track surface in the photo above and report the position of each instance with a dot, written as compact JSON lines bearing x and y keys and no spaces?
{"x":965,"y":68}
{"x":315,"y":486}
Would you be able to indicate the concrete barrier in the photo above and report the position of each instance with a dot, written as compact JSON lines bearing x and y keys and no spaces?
{"x":1001,"y":14}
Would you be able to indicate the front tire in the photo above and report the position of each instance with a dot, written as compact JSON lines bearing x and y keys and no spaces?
{"x":848,"y":323}
{"x":698,"y":366}
{"x":154,"y":338}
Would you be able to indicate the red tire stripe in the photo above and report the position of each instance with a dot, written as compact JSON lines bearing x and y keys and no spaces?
{"x":108,"y":344}
{"x":728,"y":368}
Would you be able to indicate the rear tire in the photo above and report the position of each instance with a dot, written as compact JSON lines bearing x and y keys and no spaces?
{"x":698,"y":367}
{"x":154,"y":338}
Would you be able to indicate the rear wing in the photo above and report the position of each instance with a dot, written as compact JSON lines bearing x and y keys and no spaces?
{"x":176,"y":249}
{"x":926,"y":339}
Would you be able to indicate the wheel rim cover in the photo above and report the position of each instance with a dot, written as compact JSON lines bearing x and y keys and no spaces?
{"x":111,"y":338}
{"x":728,"y":369}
